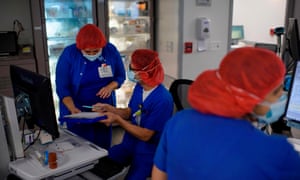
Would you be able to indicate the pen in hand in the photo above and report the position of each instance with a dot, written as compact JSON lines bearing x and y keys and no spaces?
{"x":91,"y":107}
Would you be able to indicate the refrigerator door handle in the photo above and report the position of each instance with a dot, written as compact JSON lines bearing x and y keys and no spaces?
{"x":37,"y":28}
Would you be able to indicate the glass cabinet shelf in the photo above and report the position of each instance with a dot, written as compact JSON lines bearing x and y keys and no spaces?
{"x":69,"y":19}
{"x":146,"y":35}
{"x":67,"y":8}
{"x":130,"y":24}
{"x":61,"y":38}
{"x":127,"y":17}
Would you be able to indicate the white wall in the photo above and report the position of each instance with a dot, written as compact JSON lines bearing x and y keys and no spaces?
{"x":20,"y":10}
{"x":176,"y":25}
{"x":217,"y":45}
{"x":167,"y":30}
{"x":258,"y":17}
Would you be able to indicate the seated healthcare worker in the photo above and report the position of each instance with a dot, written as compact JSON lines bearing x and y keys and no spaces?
{"x":88,"y":72}
{"x":150,"y":106}
{"x":215,"y":139}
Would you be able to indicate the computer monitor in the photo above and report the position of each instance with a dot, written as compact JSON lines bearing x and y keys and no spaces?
{"x":237,"y":33}
{"x":33,"y":96}
{"x":292,"y":39}
{"x":293,"y":104}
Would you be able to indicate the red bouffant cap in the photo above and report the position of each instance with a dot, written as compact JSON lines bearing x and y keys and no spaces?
{"x":148,"y":66}
{"x":90,"y":36}
{"x":245,"y":76}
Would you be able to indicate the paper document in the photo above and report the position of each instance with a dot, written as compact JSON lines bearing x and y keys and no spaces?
{"x":87,"y":115}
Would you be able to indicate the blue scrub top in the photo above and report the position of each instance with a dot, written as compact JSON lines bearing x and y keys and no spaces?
{"x":156,"y":110}
{"x":79,"y":78}
{"x":199,"y":146}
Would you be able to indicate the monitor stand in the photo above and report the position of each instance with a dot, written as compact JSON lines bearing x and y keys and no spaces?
{"x":234,"y":41}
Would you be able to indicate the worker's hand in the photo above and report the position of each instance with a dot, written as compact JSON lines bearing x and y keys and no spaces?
{"x":111,"y":118}
{"x":74,"y":110}
{"x":101,"y":107}
{"x":104,"y":92}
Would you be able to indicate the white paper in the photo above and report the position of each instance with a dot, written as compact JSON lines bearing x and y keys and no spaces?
{"x":87,"y":115}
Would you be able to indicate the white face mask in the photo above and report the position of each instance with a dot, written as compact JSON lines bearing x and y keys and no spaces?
{"x":92,"y":57}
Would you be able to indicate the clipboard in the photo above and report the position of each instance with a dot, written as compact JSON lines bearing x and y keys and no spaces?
{"x":83,"y":117}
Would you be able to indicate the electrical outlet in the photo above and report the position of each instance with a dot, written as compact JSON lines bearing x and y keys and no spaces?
{"x":169,"y":46}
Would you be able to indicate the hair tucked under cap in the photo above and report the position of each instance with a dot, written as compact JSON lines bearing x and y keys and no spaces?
{"x":245,"y":76}
{"x":90,"y":36}
{"x":148,"y":66}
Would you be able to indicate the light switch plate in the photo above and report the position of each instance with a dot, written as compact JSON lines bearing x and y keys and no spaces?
{"x":203,"y":2}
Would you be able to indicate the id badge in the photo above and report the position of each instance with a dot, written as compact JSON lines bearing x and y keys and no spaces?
{"x":105,"y":71}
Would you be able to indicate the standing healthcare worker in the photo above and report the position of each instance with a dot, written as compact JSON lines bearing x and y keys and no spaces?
{"x":150,"y":106}
{"x":88,"y":72}
{"x":216,"y":139}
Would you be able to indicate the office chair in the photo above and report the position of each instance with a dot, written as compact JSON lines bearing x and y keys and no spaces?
{"x":108,"y":169}
{"x":179,"y":90}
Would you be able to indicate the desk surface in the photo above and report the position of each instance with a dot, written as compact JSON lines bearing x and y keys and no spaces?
{"x":74,"y":155}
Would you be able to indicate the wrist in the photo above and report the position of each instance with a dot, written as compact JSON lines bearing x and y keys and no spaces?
{"x":113,"y":85}
{"x":113,"y":110}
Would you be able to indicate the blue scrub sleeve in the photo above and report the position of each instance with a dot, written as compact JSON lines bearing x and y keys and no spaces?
{"x":160,"y":158}
{"x":63,"y":75}
{"x":291,"y":165}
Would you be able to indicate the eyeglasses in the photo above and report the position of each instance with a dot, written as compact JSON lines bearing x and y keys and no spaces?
{"x":144,"y":68}
{"x":132,"y":69}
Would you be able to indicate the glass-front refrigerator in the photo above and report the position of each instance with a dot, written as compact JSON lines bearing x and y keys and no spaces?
{"x":63,"y":19}
{"x":130,"y":24}
{"x":130,"y":27}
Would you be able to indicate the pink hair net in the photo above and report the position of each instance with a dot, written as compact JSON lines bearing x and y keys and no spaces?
{"x":90,"y":36}
{"x":148,"y":66}
{"x":245,"y":76}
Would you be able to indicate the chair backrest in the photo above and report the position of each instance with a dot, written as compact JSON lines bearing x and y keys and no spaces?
{"x":179,"y":90}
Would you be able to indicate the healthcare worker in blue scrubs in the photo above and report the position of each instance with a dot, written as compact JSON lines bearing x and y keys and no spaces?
{"x":150,"y":106}
{"x":88,"y":72}
{"x":215,"y":139}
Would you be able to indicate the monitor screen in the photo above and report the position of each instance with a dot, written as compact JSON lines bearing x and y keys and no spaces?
{"x":237,"y":32}
{"x":33,"y":96}
{"x":293,"y":105}
{"x":292,"y":38}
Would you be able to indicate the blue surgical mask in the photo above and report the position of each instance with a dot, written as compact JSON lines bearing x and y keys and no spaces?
{"x":131,"y":76}
{"x":275,"y":112}
{"x":92,"y":57}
